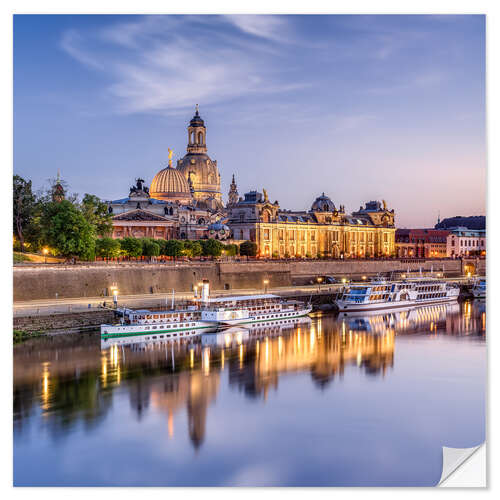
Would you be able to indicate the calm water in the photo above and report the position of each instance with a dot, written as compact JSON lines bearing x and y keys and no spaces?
{"x":366,"y":400}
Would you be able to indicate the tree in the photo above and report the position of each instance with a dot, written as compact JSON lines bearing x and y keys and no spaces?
{"x":131,"y":247}
{"x":96,"y":212}
{"x":231,"y":249}
{"x":107,"y":248}
{"x":24,"y":202}
{"x":192,"y":248}
{"x":150,"y":248}
{"x":248,"y":248}
{"x":211,"y":248}
{"x":174,"y":248}
{"x":67,"y":231}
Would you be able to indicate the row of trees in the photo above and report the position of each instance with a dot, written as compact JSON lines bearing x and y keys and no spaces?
{"x":108,"y":248}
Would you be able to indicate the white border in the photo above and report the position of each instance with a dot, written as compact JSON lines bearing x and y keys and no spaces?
{"x":257,"y":6}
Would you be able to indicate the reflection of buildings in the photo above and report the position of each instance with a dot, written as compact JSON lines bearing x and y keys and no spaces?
{"x":72,"y":380}
{"x":194,"y":390}
{"x":309,"y":349}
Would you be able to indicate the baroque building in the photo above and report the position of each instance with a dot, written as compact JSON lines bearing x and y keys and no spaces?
{"x":323,"y":231}
{"x":198,"y":168}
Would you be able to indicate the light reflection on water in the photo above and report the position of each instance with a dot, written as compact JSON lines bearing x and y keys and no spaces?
{"x":354,"y":400}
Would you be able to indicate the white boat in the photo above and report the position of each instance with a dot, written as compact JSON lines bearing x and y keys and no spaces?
{"x":479,"y":288}
{"x":203,"y":314}
{"x":169,"y":324}
{"x":382,"y":294}
{"x":245,"y":309}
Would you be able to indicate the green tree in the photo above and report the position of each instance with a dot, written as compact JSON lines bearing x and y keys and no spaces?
{"x":150,"y":248}
{"x":174,"y":248}
{"x":131,"y":247}
{"x":96,"y":212}
{"x":211,"y":248}
{"x":67,"y":231}
{"x":23,"y":209}
{"x":248,"y":248}
{"x":107,"y":248}
{"x":231,"y":249}
{"x":192,"y":248}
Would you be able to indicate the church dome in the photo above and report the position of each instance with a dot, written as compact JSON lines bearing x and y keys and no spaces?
{"x":170,"y":185}
{"x":323,"y":204}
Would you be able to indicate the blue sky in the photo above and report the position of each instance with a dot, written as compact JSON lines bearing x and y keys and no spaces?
{"x":360,"y":107}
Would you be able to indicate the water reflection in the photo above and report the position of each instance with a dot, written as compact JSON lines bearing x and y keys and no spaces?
{"x":63,"y":382}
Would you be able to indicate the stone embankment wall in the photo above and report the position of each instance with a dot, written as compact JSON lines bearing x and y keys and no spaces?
{"x":44,"y":282}
{"x":64,"y":322}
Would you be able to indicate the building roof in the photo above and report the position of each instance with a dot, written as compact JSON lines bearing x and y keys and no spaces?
{"x":140,"y":215}
{"x":323,"y":204}
{"x":170,"y":183}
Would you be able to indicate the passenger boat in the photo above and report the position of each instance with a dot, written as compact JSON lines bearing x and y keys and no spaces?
{"x":479,"y":288}
{"x":158,"y":324}
{"x":244,"y":309}
{"x":382,"y":294}
{"x":203,"y":314}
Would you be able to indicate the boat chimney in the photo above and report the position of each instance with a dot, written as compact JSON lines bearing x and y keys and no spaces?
{"x":205,"y":291}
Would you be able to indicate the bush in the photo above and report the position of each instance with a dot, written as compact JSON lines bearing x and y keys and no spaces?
{"x":248,"y":248}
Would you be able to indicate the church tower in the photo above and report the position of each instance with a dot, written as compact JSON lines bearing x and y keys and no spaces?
{"x":233,"y":194}
{"x":197,"y":134}
{"x":198,"y":168}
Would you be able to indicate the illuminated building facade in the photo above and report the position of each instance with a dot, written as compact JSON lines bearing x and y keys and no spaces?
{"x":422,"y":243}
{"x":323,"y":231}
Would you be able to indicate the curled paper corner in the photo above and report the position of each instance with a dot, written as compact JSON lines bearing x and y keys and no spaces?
{"x":453,"y":462}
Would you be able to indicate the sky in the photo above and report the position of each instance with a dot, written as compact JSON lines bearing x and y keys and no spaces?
{"x":360,"y":107}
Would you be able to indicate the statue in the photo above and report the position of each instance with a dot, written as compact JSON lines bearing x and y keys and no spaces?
{"x":384,"y":205}
{"x":139,"y":183}
{"x":170,"y":153}
{"x":265,"y":195}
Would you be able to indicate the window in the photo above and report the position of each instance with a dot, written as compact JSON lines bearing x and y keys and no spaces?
{"x":266,"y":234}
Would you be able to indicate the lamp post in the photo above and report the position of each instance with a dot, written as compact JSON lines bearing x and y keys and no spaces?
{"x":115,"y":298}
{"x":45,"y":252}
{"x":266,"y":282}
{"x":319,"y":279}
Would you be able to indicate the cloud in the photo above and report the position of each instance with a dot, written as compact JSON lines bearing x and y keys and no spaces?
{"x":71,"y":42}
{"x":166,"y":63}
{"x":269,"y":27}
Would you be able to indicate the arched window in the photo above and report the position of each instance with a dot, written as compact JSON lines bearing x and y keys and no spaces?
{"x":191,"y":137}
{"x":200,"y":137}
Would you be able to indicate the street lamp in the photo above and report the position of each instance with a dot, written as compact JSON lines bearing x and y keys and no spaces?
{"x":195,"y":288}
{"x":266,"y":282}
{"x":363,"y":278}
{"x":115,"y":297}
{"x":319,"y":279}
{"x":45,"y":252}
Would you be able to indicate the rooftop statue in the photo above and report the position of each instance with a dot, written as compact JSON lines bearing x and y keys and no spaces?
{"x":384,"y":204}
{"x":265,"y":195}
{"x":170,"y":154}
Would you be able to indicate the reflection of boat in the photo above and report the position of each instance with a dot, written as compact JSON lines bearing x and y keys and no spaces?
{"x":152,"y":337}
{"x":410,"y":318}
{"x":381,"y":294}
{"x":238,"y":334}
{"x":479,"y":288}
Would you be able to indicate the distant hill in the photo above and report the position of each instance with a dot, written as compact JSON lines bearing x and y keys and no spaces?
{"x":472,"y":222}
